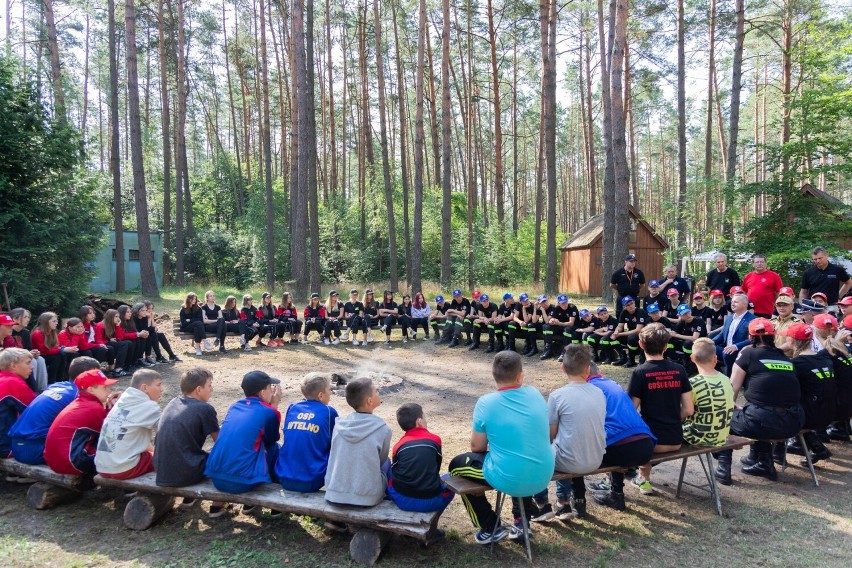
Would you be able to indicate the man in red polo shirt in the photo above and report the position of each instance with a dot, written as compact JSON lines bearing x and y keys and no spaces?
{"x":762,"y":287}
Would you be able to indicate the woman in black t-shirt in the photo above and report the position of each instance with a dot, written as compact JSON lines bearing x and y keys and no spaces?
{"x":772,"y":408}
{"x":371,"y":312}
{"x":716,"y":312}
{"x":388,"y":312}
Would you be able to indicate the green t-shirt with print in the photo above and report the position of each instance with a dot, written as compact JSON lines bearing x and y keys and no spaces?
{"x":713,"y":398}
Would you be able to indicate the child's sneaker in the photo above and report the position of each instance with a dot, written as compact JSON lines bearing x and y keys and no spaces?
{"x":355,"y":343}
{"x":246,"y":347}
{"x":163,"y":361}
{"x":545,"y":514}
{"x":580,"y":508}
{"x":412,"y":333}
{"x":516,"y":533}
{"x":563,"y":511}
{"x":484,"y":537}
{"x":383,"y":328}
{"x":405,"y":340}
{"x":216,"y":343}
{"x":198,"y":351}
{"x":602,"y":485}
{"x":242,"y":340}
{"x":207,"y":346}
{"x":222,"y":349}
{"x":645,"y":487}
{"x":345,"y":336}
{"x":336,"y":341}
{"x":326,"y":341}
{"x":370,"y":337}
{"x":387,"y":341}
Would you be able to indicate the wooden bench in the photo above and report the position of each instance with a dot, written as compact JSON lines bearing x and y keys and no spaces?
{"x":51,"y":488}
{"x":373,"y":525}
{"x":188,"y":336}
{"x":808,"y":456}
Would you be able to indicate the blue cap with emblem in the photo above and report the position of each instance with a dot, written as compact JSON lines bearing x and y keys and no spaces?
{"x":542,"y":298}
{"x":584,"y":313}
{"x":508,"y":296}
{"x":682,"y":309}
{"x":562,"y":299}
{"x":483,"y":298}
{"x":456,"y":293}
{"x":652,"y":308}
{"x":654,"y":284}
{"x":626,"y":300}
{"x":601,"y":309}
{"x":439,"y":298}
{"x":523,"y":297}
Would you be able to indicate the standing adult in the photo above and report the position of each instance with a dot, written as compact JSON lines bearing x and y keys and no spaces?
{"x":626,"y":281}
{"x":826,"y":277}
{"x":722,"y":277}
{"x":671,"y":281}
{"x":735,"y":334}
{"x":762,"y":287}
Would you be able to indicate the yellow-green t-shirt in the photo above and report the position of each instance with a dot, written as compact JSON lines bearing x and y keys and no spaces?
{"x":713,"y":398}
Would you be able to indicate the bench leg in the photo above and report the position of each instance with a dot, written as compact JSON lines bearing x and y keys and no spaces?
{"x":144,"y":510}
{"x":498,"y":508}
{"x":367,"y":545}
{"x":680,"y":478}
{"x":526,"y":526}
{"x":43,"y":495}
{"x":808,"y":458}
{"x":711,"y":479}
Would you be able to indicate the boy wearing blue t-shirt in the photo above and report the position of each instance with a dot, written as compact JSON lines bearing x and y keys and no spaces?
{"x":510,"y":448}
{"x":308,"y":425}
{"x":30,"y":431}
{"x":246,"y":450}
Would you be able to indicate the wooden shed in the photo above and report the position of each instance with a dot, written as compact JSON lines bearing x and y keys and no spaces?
{"x":821,"y":200}
{"x":582,"y":255}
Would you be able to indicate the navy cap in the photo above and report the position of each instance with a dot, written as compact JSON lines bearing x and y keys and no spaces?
{"x":542,"y":298}
{"x":256,"y":381}
{"x":654,"y":284}
{"x":439,"y":298}
{"x":483,"y":297}
{"x":682,"y":309}
{"x":315,"y":295}
{"x":584,"y":313}
{"x":630,"y":257}
{"x":561,"y":299}
{"x":652,"y":308}
{"x":810,"y":306}
{"x":508,"y":296}
{"x":626,"y":300}
{"x":523,"y":297}
{"x":601,"y":309}
{"x":456,"y":293}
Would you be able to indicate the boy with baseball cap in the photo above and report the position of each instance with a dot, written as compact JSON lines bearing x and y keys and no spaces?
{"x":246,"y":449}
{"x":72,"y":440}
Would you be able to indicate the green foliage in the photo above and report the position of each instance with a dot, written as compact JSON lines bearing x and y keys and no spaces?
{"x":50,"y":224}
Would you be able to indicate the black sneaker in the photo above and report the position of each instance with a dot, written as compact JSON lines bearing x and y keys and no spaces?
{"x":175,"y":359}
{"x":564,"y":512}
{"x":611,"y":499}
{"x":162,"y":361}
{"x":602,"y":485}
{"x":484,"y":537}
{"x":545,"y":513}
{"x":580,"y":508}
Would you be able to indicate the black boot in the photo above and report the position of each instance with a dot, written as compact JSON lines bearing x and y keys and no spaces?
{"x":597,"y":357}
{"x":548,"y":352}
{"x":631,"y":362}
{"x":839,"y":431}
{"x":510,"y":344}
{"x":469,"y":341}
{"x":500,"y":345}
{"x":751,"y":458}
{"x":611,"y":499}
{"x":474,"y":344}
{"x":779,"y":455}
{"x":526,"y":350}
{"x":817,"y":448}
{"x":622,"y":357}
{"x":723,"y":467}
{"x":794,"y":447}
{"x":764,"y":466}
{"x":533,"y":349}
{"x":490,"y":348}
{"x":607,"y":356}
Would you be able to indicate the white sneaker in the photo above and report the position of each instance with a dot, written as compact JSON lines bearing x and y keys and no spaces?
{"x":383,"y":328}
{"x":246,"y":347}
{"x":326,"y":342}
{"x":198,"y":351}
{"x":336,"y":342}
{"x":370,"y":337}
{"x":345,"y":336}
{"x":412,"y":333}
{"x":242,"y":340}
{"x":355,"y":342}
{"x":405,"y":340}
{"x":207,"y":346}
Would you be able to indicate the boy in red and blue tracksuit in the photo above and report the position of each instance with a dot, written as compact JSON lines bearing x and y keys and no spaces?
{"x":415,"y":481}
{"x":246,"y":450}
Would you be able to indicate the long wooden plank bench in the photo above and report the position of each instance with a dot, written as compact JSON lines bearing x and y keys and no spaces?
{"x":373,"y":525}
{"x":51,"y":488}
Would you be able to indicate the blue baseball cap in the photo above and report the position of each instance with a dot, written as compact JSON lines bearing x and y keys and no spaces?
{"x":584,"y":313}
{"x":508,"y":296}
{"x":456,"y":293}
{"x":439,"y":298}
{"x":523,"y":297}
{"x":483,"y":297}
{"x":542,"y":298}
{"x":561,"y":299}
{"x":626,"y":300}
{"x":654,"y":284}
{"x":601,"y":309}
{"x":652,"y":308}
{"x":682,"y":309}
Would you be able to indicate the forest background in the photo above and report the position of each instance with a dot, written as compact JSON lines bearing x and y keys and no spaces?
{"x":305,"y":142}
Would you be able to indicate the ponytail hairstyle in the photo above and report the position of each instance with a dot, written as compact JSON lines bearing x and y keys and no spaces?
{"x":328,"y":304}
{"x":800,"y":346}
{"x":109,"y":323}
{"x":51,"y":336}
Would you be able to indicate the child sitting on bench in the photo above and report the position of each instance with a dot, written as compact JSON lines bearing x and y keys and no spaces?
{"x":15,"y":367}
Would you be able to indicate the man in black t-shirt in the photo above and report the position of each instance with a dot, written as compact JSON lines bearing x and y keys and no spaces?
{"x":505,"y":314}
{"x":536,"y":323}
{"x":486,"y":313}
{"x":457,"y":312}
{"x":517,"y":327}
{"x":560,"y":322}
{"x":605,"y":325}
{"x":438,"y":318}
{"x":626,"y":281}
{"x":826,"y":277}
{"x":671,"y":281}
{"x":722,"y":277}
{"x":630,"y":323}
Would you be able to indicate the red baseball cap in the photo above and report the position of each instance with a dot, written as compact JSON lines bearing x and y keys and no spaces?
{"x":825,"y":321}
{"x":820,"y":294}
{"x":716,"y":293}
{"x":698,"y":295}
{"x":786,"y":291}
{"x":847,"y":322}
{"x":93,"y":378}
{"x":799,"y":332}
{"x":6,"y":320}
{"x":847,"y":301}
{"x":476,"y":294}
{"x":673,"y":292}
{"x":761,"y":326}
{"x":736,"y":289}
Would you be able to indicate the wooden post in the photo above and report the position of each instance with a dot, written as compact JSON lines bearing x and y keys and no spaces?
{"x":367,"y":545}
{"x":6,"y":297}
{"x":43,"y":495}
{"x":144,"y":510}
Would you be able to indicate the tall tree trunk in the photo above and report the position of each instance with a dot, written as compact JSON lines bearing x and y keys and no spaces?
{"x":311,"y":146}
{"x":419,"y":138}
{"x":446,"y":155}
{"x":55,"y":70}
{"x":631,"y":126}
{"x":114,"y":150}
{"x":298,"y":252}
{"x":610,"y":252}
{"x":332,"y":119}
{"x":267,"y":154}
{"x":146,"y":256}
{"x":515,"y":170}
{"x":383,"y":132}
{"x":619,"y":147}
{"x":85,"y":86}
{"x":403,"y":144}
{"x":551,"y":281}
{"x":734,"y":124}
{"x":592,"y":169}
{"x":498,"y":132}
{"x":433,"y":111}
{"x":238,"y":201}
{"x":786,"y":83}
{"x":165,"y":118}
{"x":680,"y":222}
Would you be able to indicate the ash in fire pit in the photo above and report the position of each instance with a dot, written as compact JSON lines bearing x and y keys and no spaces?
{"x":385,"y":382}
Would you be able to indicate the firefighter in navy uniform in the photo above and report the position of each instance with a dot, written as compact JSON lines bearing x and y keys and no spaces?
{"x":559,"y":325}
{"x":438,"y":318}
{"x":458,"y":310}
{"x":486,"y":314}
{"x":605,"y":324}
{"x":518,"y":326}
{"x":471,"y":316}
{"x":630,"y":323}
{"x":626,"y":281}
{"x":505,"y":315}
{"x":536,"y":324}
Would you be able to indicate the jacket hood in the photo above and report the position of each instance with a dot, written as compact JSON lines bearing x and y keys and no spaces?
{"x":358,"y":426}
